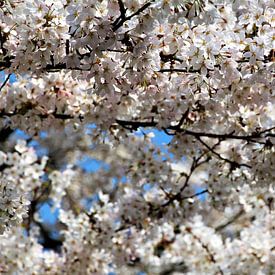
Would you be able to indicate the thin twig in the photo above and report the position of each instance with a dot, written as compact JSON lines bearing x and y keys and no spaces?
{"x":5,"y":82}
{"x":232,"y":163}
{"x":123,"y":18}
{"x":230,"y":221}
{"x":195,"y":195}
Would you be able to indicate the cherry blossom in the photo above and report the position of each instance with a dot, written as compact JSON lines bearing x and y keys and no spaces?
{"x":101,"y":82}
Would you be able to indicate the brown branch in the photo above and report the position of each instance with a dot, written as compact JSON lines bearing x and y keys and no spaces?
{"x":183,"y":118}
{"x":170,"y":130}
{"x":5,"y":82}
{"x":123,"y":18}
{"x":5,"y":134}
{"x":230,"y":221}
{"x":178,"y":196}
{"x":178,"y":71}
{"x":195,"y":195}
{"x":206,"y":248}
{"x":6,"y":63}
{"x":54,"y":114}
{"x":233,"y":164}
{"x":248,"y":138}
{"x":134,"y":125}
{"x":122,"y":9}
{"x":48,"y":241}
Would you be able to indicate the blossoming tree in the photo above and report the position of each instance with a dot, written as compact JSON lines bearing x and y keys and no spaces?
{"x":98,"y":79}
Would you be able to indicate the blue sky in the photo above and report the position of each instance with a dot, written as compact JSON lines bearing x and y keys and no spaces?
{"x":2,"y":78}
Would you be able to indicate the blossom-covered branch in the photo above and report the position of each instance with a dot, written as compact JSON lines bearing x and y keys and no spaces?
{"x":147,"y":127}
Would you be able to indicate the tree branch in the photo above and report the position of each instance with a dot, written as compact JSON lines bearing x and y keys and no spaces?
{"x":134,"y":125}
{"x":232,"y":163}
{"x":207,"y":250}
{"x":123,"y":18}
{"x":178,"y":196}
{"x":230,"y":221}
{"x":5,"y":82}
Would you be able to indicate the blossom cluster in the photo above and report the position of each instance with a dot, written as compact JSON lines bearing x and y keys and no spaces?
{"x":100,"y":80}
{"x":13,"y":206}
